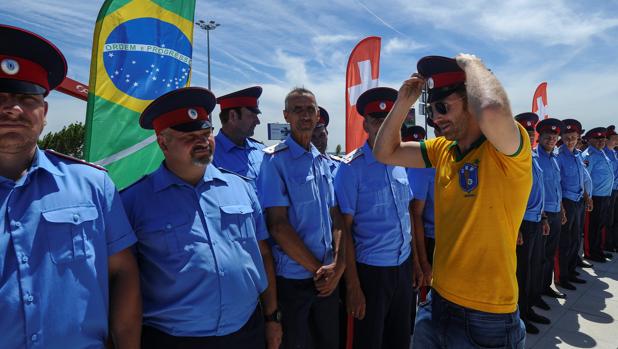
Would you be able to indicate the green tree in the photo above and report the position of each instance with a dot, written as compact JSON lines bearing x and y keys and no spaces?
{"x":69,"y":140}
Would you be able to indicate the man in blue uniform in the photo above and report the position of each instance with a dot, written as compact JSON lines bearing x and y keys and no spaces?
{"x":422,"y":185}
{"x":235,"y":150}
{"x":319,"y":139}
{"x":602,"y":175}
{"x":575,"y":197}
{"x":530,"y":246}
{"x":611,"y":230}
{"x":204,"y":261}
{"x":67,"y":276}
{"x":375,"y":202}
{"x":549,"y":131}
{"x":295,"y":187}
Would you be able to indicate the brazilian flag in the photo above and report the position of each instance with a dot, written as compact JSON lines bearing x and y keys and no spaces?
{"x":141,"y":50}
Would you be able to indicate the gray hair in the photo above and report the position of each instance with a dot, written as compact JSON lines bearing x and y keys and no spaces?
{"x":297,"y":91}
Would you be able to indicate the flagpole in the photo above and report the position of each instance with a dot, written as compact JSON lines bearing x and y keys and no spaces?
{"x":207,"y":26}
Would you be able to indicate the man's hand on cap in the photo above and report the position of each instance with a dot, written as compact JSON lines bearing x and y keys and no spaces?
{"x":411,"y":89}
{"x":464,"y":59}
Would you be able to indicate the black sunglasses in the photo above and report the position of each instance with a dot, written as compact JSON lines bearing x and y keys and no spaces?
{"x":441,"y":108}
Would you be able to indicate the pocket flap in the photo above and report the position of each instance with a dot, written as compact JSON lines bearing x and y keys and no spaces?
{"x":73,"y":215}
{"x":237,"y":209}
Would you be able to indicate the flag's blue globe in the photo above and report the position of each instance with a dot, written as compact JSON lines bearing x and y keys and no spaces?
{"x":147,"y":57}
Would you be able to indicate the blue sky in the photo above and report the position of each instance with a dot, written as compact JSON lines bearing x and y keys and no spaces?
{"x":573,"y":45}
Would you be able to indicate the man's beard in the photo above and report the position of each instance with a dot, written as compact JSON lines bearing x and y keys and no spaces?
{"x":201,"y":160}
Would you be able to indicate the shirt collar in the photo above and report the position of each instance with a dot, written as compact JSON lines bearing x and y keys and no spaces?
{"x":164,"y":178}
{"x":543,"y":152}
{"x":368,"y":153}
{"x":226,"y":143}
{"x":41,"y":161}
{"x":297,"y":151}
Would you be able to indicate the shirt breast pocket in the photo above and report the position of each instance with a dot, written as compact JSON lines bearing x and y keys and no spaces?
{"x":237,"y":222}
{"x":66,"y":230}
{"x":168,"y":234}
{"x":302,"y":188}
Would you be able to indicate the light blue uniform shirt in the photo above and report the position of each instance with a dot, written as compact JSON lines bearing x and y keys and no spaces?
{"x":422,"y":183}
{"x":201,"y":269}
{"x":59,"y":222}
{"x":534,"y":208}
{"x":572,"y":173}
{"x":377,"y":196}
{"x":551,"y":179}
{"x":601,"y":171}
{"x":333,"y":164}
{"x":245,"y":160}
{"x":300,"y":180}
{"x":613,"y":158}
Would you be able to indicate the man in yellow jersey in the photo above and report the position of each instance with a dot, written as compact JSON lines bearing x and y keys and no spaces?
{"x":483,"y":179}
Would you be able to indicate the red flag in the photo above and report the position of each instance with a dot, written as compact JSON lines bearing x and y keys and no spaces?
{"x":539,"y":102}
{"x":362,"y":74}
{"x":73,"y":88}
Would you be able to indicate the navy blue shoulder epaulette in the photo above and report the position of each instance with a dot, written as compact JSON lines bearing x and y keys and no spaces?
{"x":76,"y":160}
{"x":225,"y":170}
{"x":255,"y":140}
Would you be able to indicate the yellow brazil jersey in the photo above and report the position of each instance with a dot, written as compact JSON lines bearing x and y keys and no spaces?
{"x":480,"y":200}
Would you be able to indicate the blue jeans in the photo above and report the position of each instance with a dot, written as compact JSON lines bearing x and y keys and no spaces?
{"x":442,"y":324}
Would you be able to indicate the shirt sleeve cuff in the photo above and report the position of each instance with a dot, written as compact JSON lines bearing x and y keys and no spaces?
{"x":425,"y":156}
{"x":125,"y":241}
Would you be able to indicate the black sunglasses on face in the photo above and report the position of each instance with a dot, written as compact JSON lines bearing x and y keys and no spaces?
{"x":441,"y":107}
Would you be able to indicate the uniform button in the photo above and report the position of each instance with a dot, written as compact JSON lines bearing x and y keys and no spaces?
{"x":34,"y":337}
{"x":17,"y":224}
{"x":24,"y":259}
{"x":29,"y":299}
{"x":75,"y":217}
{"x":169,"y":226}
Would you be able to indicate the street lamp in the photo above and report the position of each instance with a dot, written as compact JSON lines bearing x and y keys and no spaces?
{"x":207,"y":26}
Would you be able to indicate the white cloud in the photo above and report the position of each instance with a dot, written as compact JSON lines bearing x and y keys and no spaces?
{"x":332,"y":39}
{"x":397,"y":45}
{"x":552,"y":22}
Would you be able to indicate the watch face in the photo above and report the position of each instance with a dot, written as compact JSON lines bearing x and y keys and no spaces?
{"x":277,"y":316}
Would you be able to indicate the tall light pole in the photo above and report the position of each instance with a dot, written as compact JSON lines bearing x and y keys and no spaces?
{"x":207,"y":26}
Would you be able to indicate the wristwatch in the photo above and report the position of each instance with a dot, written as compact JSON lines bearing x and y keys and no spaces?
{"x":275,"y":316}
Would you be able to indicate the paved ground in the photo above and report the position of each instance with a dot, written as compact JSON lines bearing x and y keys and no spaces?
{"x":588,"y":318}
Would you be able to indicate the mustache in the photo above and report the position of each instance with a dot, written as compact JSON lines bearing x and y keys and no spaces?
{"x":15,"y":120}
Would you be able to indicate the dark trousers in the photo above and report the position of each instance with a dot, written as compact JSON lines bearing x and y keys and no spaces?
{"x":388,"y":299}
{"x":570,"y":240}
{"x":529,"y":265}
{"x":308,"y":321}
{"x":430,"y":245}
{"x":598,"y":220}
{"x":611,"y":232}
{"x":251,"y":335}
{"x":551,"y":242}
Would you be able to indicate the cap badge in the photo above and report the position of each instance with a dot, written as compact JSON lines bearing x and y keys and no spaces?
{"x":568,"y":127}
{"x":192,"y":113}
{"x":9,"y":66}
{"x":553,"y":127}
{"x":430,"y":83}
{"x":382,"y":105}
{"x":415,"y":135}
{"x":529,"y":123}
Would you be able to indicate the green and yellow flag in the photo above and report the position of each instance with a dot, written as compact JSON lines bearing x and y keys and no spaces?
{"x":141,"y":50}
